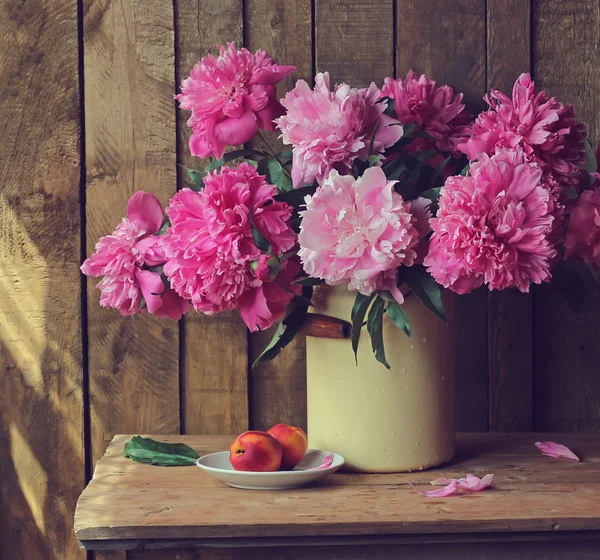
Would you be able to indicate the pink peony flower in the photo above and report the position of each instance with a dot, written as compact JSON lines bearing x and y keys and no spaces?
{"x":437,"y":110}
{"x":230,"y":98}
{"x":211,"y":250}
{"x":357,"y":232}
{"x":541,"y":126}
{"x":265,"y":304}
{"x":330,"y":129}
{"x":493,"y":226}
{"x":119,"y":259}
{"x":583,"y":233}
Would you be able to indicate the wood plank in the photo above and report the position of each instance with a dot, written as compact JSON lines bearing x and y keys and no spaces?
{"x":531,"y":493}
{"x":278,"y":388}
{"x":509,"y":312}
{"x":565,"y":55}
{"x":446,"y":40}
{"x":42,"y":467}
{"x":447,"y":551}
{"x":215,"y":350}
{"x":354,"y":40}
{"x":130,"y":145}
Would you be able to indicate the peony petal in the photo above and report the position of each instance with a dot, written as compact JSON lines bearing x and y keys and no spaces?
{"x":234,"y":131}
{"x":173,"y":306}
{"x":442,"y":481}
{"x":151,"y":286}
{"x":556,"y":450}
{"x":447,"y":490}
{"x":327,"y":462}
{"x":474,"y":483}
{"x":145,"y":210}
{"x":470,"y":482}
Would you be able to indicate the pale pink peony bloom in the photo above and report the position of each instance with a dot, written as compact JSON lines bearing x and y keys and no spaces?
{"x":357,"y":232}
{"x":231,"y":96}
{"x":330,"y":129}
{"x":437,"y":110}
{"x":211,"y":251}
{"x":556,"y":450}
{"x":544,"y":128}
{"x":493,"y":226}
{"x":119,"y":259}
{"x":582,"y":241}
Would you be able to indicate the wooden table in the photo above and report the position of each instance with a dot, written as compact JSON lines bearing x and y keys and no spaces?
{"x":538,"y":508}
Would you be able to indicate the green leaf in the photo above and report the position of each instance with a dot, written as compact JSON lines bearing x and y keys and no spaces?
{"x":259,"y":239}
{"x":295,"y":197}
{"x":432,"y":194}
{"x":375,"y":330}
{"x":147,"y":450}
{"x":571,"y":285}
{"x":394,"y":168}
{"x":438,"y":171}
{"x":399,"y":318}
{"x":165,"y":226}
{"x":285,"y":154}
{"x":409,"y":187}
{"x":465,"y":169}
{"x":408,"y":129}
{"x":197,"y":179}
{"x":424,"y":155}
{"x":286,"y":331}
{"x":308,"y":281}
{"x":359,"y":310}
{"x":234,"y":154}
{"x":390,"y":108}
{"x":425,"y":288}
{"x":372,"y":142}
{"x":279,"y":176}
{"x":374,"y":159}
{"x":591,"y":165}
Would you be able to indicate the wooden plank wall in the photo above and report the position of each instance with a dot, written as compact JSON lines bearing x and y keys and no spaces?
{"x":88,"y":117}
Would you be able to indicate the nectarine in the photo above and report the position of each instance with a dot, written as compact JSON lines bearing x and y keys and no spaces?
{"x":255,"y":451}
{"x":293,"y":441}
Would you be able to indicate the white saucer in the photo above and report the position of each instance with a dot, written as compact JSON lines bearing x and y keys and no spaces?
{"x":217,"y":465}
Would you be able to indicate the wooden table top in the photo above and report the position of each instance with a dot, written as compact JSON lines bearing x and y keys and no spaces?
{"x":128,"y":502}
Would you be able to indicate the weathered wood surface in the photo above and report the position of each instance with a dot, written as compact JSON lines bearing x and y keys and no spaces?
{"x":531,"y":493}
{"x":130,"y":145}
{"x":214,"y":353}
{"x":510,"y":327}
{"x":447,"y":41}
{"x":499,"y":550}
{"x":41,"y":378}
{"x":277,"y":390}
{"x":565,"y":54}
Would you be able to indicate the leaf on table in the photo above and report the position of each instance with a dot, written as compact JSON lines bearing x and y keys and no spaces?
{"x":556,"y":450}
{"x":147,"y":450}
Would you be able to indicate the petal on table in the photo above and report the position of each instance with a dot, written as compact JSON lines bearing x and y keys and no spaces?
{"x":447,"y":490}
{"x":556,"y":450}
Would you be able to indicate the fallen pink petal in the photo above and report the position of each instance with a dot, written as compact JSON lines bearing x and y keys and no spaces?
{"x":474,"y":483}
{"x":471,"y":482}
{"x":556,"y":450}
{"x":327,"y":462}
{"x":447,"y":490}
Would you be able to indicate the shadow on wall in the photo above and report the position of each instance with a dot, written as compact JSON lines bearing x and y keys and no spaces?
{"x":42,"y":467}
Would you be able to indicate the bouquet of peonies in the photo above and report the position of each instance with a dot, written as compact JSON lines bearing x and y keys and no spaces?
{"x":383,"y":189}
